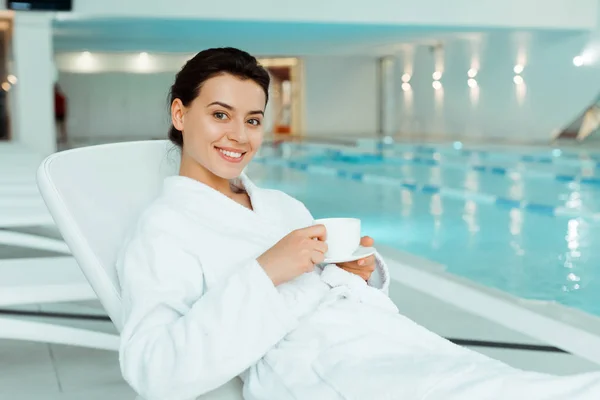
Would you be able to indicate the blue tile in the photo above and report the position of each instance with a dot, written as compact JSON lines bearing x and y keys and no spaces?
{"x":540,"y":208}
{"x":430,"y":189}
{"x":591,"y":181}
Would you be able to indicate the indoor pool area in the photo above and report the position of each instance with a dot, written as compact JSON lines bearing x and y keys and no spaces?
{"x":303,"y":201}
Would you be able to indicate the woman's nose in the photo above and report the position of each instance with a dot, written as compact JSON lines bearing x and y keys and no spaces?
{"x":238,"y":133}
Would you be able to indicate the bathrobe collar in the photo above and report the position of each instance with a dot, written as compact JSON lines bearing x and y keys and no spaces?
{"x":218,"y":211}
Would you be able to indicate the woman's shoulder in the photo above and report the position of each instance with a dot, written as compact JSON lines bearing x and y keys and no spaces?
{"x":158,"y":221}
{"x":158,"y":232}
{"x":156,"y":250}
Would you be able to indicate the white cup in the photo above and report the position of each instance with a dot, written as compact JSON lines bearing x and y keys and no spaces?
{"x":343,"y":236}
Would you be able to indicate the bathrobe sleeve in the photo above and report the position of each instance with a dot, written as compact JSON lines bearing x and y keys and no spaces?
{"x":380,"y":278}
{"x":180,"y":341}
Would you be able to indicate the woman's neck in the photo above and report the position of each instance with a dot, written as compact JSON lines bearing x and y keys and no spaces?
{"x":191,"y":169}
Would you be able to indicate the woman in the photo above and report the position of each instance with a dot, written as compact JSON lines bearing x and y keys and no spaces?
{"x":221,"y":278}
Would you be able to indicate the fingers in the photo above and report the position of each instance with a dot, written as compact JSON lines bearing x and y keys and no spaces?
{"x":317,"y":257}
{"x":368,"y":261}
{"x":364,"y":273}
{"x":320,"y":246}
{"x":315,"y":232}
{"x":367,"y":241}
{"x":367,"y":267}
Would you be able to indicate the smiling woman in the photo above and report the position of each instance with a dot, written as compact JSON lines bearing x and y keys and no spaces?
{"x":217,"y":107}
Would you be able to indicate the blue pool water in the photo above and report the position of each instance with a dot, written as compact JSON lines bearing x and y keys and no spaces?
{"x":528,"y":252}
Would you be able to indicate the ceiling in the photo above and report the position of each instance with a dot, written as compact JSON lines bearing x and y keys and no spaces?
{"x":260,"y":38}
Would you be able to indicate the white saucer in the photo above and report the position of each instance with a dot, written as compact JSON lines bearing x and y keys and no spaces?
{"x":361,"y":252}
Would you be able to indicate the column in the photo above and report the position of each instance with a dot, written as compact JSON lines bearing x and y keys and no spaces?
{"x":32,"y":112}
{"x":387,"y":96}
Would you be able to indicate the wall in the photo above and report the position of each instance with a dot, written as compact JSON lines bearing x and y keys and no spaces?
{"x":553,"y":93}
{"x":340,"y":96}
{"x":117,"y":105}
{"x":31,"y":99}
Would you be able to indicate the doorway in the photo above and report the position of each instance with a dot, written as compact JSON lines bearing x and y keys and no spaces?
{"x":285,"y":109}
{"x":7,"y":80}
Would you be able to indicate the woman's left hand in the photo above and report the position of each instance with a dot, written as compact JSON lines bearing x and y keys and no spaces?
{"x":363,"y":267}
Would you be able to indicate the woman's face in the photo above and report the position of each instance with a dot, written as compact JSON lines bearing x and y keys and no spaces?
{"x":222,"y":128}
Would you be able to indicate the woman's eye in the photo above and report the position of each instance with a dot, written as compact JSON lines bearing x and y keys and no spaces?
{"x":254,"y":122}
{"x":220,"y":115}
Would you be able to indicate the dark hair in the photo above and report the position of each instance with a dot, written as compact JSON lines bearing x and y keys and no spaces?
{"x":207,"y":64}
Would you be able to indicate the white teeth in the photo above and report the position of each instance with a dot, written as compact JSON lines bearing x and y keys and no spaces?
{"x":230,"y":153}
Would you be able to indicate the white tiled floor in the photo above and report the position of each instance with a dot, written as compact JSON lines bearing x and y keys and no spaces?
{"x":48,"y":371}
{"x":42,"y":371}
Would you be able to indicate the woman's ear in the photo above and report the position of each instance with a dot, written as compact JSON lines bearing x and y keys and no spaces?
{"x":177,"y":114}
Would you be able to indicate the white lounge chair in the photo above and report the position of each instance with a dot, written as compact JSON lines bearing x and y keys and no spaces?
{"x":95,"y":194}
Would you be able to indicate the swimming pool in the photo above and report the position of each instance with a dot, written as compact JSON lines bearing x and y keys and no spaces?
{"x":522,"y":222}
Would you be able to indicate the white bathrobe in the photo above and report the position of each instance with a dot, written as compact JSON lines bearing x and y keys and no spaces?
{"x":199,"y":311}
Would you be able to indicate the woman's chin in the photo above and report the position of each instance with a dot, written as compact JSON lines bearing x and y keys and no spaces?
{"x":229,"y":172}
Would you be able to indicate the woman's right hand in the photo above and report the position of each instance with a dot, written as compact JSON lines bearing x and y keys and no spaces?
{"x":295,"y":254}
